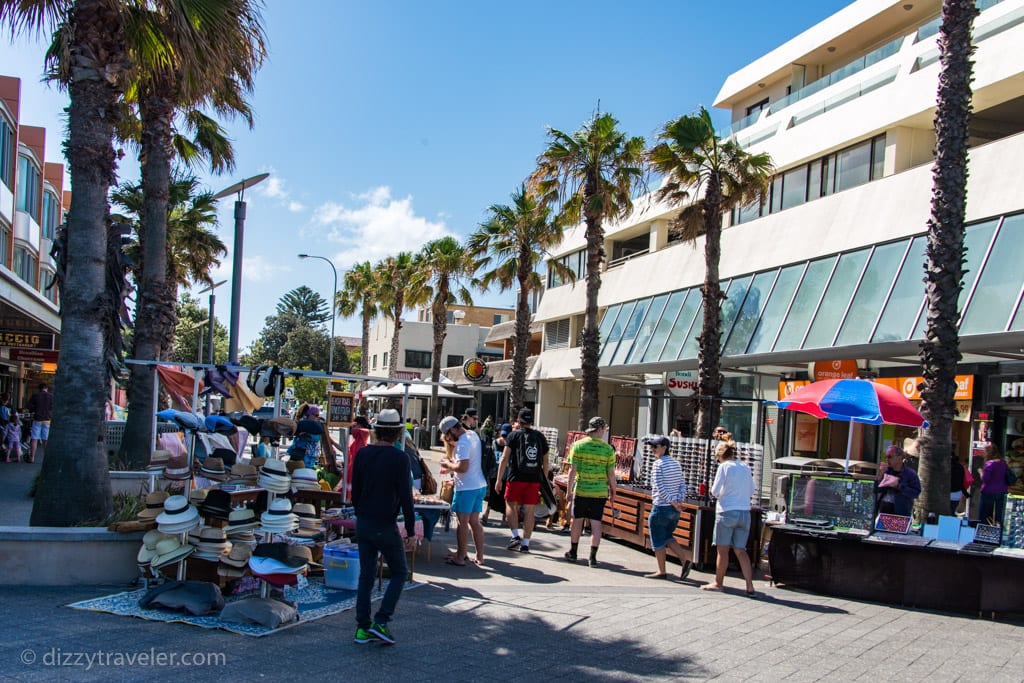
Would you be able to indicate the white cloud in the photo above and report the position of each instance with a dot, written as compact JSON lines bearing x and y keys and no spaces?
{"x":254,"y":269}
{"x":274,"y":188}
{"x":376,"y":227}
{"x":296,"y":207}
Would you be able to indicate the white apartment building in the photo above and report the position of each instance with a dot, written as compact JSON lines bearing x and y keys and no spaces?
{"x":830,"y":268}
{"x":416,"y":346}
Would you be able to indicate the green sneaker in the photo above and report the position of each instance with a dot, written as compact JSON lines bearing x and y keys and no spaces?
{"x":381,"y":631}
{"x":363,"y":636}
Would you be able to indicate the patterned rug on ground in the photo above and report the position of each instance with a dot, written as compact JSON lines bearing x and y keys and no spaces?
{"x":314,"y":601}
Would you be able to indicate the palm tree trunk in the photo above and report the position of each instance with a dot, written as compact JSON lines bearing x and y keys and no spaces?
{"x":397,"y":317}
{"x":590,"y":342}
{"x":364,"y":361}
{"x":521,"y":348}
{"x":940,"y":351}
{"x":75,"y":482}
{"x":439,"y":313}
{"x":151,"y":318}
{"x":709,"y":361}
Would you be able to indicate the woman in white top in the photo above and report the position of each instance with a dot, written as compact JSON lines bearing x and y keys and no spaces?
{"x":733,"y":487}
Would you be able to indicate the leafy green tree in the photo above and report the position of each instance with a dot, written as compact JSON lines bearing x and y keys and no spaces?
{"x":940,"y":351}
{"x":88,"y":58}
{"x":186,"y":337}
{"x":511,"y":244}
{"x":309,"y":347}
{"x":274,"y":335}
{"x":359,"y":294}
{"x":593,"y":174}
{"x":399,"y":289}
{"x":309,"y":389}
{"x":446,"y":268}
{"x":707,"y":177}
{"x":306,"y":305}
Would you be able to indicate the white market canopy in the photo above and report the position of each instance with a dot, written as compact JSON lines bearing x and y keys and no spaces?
{"x":417,"y":389}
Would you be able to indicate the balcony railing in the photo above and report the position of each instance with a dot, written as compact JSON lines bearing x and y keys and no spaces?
{"x":616,"y":262}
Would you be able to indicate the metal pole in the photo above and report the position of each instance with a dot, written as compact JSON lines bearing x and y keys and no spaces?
{"x":236,"y":280}
{"x":334,"y":302}
{"x":209,"y":336}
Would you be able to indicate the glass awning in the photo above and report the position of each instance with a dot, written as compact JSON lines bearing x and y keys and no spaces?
{"x":864,"y":296}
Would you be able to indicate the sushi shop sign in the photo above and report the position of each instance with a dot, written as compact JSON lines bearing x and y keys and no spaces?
{"x":682,"y":382}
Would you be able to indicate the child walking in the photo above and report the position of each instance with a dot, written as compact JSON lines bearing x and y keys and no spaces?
{"x":12,"y":437}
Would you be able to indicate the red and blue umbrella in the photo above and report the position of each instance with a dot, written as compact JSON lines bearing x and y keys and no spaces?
{"x":854,"y":400}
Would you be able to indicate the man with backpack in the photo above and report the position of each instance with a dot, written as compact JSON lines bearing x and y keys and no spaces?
{"x":526,"y":457}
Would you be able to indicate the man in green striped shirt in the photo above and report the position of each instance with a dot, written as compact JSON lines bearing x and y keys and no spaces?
{"x":591,"y":484}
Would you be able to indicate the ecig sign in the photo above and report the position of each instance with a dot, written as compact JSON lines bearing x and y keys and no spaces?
{"x":26,"y":340}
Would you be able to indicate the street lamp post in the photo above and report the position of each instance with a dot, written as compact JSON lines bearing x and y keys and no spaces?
{"x":236,"y":257}
{"x":209,"y":352}
{"x":334,"y":302}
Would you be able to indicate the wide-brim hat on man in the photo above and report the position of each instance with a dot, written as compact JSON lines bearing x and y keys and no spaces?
{"x":596,"y":423}
{"x":213,"y":468}
{"x":154,"y":505}
{"x":158,"y":460}
{"x":169,"y":551}
{"x":177,"y":468}
{"x":389,"y":419}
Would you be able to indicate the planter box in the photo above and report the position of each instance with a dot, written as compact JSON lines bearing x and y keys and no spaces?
{"x":132,"y":482}
{"x":57,"y":556}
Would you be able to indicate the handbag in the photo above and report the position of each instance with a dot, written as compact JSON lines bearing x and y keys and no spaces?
{"x":447,"y":491}
{"x":428,"y":485}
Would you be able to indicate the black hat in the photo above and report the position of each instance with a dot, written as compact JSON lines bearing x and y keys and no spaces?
{"x":596,"y":423}
{"x":658,"y":441}
{"x":526,"y":415}
{"x":470,"y":412}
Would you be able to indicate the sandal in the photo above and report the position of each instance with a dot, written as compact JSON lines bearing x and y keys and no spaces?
{"x":711,"y":587}
{"x":454,"y":562}
{"x":656,"y":575}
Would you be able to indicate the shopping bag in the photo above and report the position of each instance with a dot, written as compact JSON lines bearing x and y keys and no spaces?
{"x":447,"y":491}
{"x":428,"y":484}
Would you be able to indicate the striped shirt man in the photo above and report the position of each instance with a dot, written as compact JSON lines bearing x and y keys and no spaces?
{"x":668,"y":484}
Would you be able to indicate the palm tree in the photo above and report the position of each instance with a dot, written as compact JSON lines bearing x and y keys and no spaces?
{"x":306,"y":304}
{"x":209,"y":53}
{"x":512,"y":242}
{"x":445,"y":263}
{"x":397,"y":281}
{"x":940,"y":351}
{"x":88,"y":58}
{"x":193,"y":248}
{"x":359,"y":293}
{"x":707,"y":176}
{"x":593,"y":173}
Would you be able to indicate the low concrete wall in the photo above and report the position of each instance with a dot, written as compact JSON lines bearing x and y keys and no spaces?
{"x":58,"y":556}
{"x":131,"y":482}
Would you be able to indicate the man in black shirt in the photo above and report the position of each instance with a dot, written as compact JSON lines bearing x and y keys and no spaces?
{"x":381,"y":486}
{"x":526,"y":457}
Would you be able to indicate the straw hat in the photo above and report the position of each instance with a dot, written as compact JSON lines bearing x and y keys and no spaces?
{"x":148,"y":550}
{"x":154,"y":505}
{"x":158,"y":460}
{"x":213,"y":468}
{"x":294,"y":465}
{"x":303,"y":553}
{"x":178,"y":516}
{"x":243,"y":473}
{"x":258,"y":461}
{"x":279,"y":518}
{"x":238,"y":556}
{"x":177,"y":468}
{"x":241,"y":519}
{"x":197,"y":496}
{"x":305,"y":478}
{"x":274,"y":476}
{"x":169,"y":551}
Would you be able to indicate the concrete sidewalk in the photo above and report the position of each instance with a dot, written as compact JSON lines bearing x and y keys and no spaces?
{"x":534,"y":617}
{"x":15,"y":481}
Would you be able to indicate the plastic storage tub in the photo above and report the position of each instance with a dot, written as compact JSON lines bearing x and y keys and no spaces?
{"x":341,"y":567}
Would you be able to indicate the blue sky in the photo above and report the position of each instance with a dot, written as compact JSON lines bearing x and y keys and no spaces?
{"x":385,"y":125}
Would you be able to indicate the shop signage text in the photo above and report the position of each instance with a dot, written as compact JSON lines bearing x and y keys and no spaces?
{"x":908,"y":386}
{"x":682,"y":382}
{"x":835,"y":369}
{"x":26,"y":340}
{"x":1004,"y":389}
{"x":34,"y":356}
{"x":787,"y":388}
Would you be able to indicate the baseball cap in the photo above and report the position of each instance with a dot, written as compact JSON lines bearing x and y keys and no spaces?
{"x":447,"y":424}
{"x":471,"y":412}
{"x":596,"y":423}
{"x":526,"y":415}
{"x":506,"y":429}
{"x":658,"y":441}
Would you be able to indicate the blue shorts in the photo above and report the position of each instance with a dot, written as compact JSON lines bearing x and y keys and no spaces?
{"x":661,"y":523}
{"x":469,"y":501}
{"x":41,"y":430}
{"x":732,"y":527}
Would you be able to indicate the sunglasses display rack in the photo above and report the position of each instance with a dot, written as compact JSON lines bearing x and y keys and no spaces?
{"x":692,"y":455}
{"x":1013,"y":522}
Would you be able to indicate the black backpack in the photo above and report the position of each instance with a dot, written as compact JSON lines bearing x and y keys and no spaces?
{"x":529,"y":453}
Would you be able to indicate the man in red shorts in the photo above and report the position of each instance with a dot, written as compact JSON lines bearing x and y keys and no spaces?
{"x":526,"y":457}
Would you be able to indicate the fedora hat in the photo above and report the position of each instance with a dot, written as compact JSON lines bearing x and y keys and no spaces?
{"x":388,"y":418}
{"x":238,"y":556}
{"x":177,"y":468}
{"x":293,"y":465}
{"x":303,"y":553}
{"x":148,"y":550}
{"x":213,"y":468}
{"x":197,"y":496}
{"x":243,"y":472}
{"x":159,"y":459}
{"x":217,"y":504}
{"x":169,"y":551}
{"x":242,"y":517}
{"x":275,"y":468}
{"x":258,"y":461}
{"x":178,"y":516}
{"x":305,"y":478}
{"x":279,"y":516}
{"x":305,"y":511}
{"x":154,"y":505}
